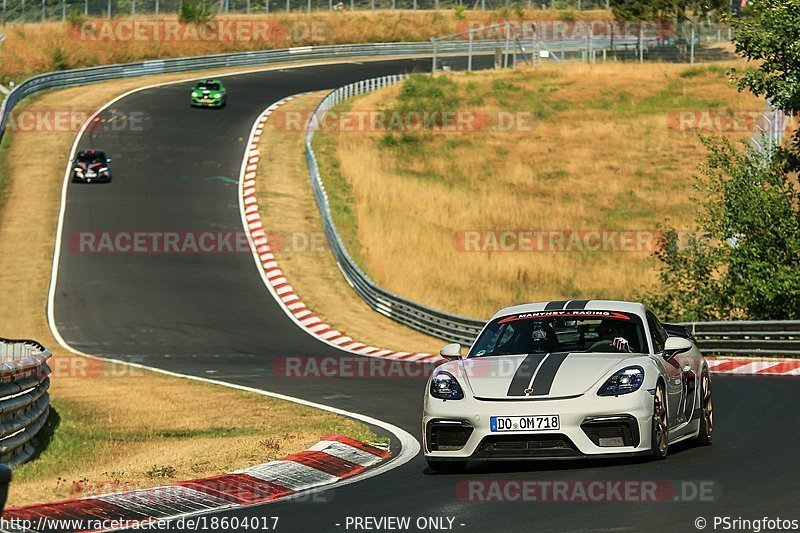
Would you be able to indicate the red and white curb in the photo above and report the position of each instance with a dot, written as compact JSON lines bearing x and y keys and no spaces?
{"x":746,"y":366}
{"x":334,"y":458}
{"x":273,"y":276}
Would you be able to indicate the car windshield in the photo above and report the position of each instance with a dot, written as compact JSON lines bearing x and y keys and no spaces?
{"x":562,"y":331}
{"x":97,"y":157}
{"x":210,"y":85}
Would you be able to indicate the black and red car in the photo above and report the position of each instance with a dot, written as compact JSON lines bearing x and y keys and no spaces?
{"x":91,"y":166}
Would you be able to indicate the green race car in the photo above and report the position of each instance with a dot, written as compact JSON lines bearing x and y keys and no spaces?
{"x":209,"y":93}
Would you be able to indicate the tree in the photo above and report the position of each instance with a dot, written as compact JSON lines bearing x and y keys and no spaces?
{"x":768,"y":34}
{"x":681,"y":10}
{"x":743,"y":258}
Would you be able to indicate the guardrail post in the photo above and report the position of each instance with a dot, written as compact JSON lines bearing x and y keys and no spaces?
{"x":469,"y":53}
{"x":641,"y":43}
{"x":508,"y":43}
{"x":433,"y":64}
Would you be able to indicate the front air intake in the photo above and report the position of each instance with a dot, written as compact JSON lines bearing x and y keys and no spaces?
{"x":612,"y":432}
{"x":447,"y":435}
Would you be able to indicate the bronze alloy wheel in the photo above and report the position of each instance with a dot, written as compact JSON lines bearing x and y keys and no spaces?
{"x":706,"y":430}
{"x":660,"y":438}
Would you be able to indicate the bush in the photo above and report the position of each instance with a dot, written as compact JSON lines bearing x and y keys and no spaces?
{"x":59,"y":59}
{"x":194,"y":11}
{"x":568,"y":15}
{"x":76,"y":19}
{"x":429,"y":97}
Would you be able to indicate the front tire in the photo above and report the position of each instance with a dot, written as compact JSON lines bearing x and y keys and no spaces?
{"x":659,"y":438}
{"x":706,"y":432}
{"x":446,"y":467}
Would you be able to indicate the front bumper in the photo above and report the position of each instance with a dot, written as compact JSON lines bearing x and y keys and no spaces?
{"x":97,"y":178}
{"x":590,"y":426}
{"x":209,"y":102}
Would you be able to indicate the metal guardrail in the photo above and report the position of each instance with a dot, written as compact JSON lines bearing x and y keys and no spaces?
{"x":769,"y":130}
{"x":24,"y":400}
{"x":779,"y":338}
{"x":762,"y":337}
{"x":72,"y":78}
{"x":420,"y":317}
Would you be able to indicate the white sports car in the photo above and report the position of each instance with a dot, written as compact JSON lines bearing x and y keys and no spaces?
{"x":567,"y":379}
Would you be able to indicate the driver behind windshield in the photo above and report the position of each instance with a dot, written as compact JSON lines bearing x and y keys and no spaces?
{"x":612,"y":338}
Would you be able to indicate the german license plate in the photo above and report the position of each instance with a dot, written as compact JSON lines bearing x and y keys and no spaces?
{"x":524,"y":423}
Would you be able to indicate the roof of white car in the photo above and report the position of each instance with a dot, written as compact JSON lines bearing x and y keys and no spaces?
{"x":591,"y":305}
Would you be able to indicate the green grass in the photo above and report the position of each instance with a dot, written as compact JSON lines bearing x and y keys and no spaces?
{"x":69,"y":436}
{"x":4,"y":145}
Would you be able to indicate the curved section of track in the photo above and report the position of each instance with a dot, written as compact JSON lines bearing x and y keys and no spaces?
{"x":209,"y":315}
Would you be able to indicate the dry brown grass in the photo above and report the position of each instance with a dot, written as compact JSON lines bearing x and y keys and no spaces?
{"x":287,"y":207}
{"x":42,"y":47}
{"x":600,"y":157}
{"x":120,"y":428}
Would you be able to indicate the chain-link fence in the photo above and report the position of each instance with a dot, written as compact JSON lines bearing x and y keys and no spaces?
{"x":40,"y":10}
{"x":593,"y":41}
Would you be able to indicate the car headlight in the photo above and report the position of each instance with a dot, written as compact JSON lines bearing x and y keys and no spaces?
{"x":78,"y":170}
{"x":217,"y":95}
{"x":445,"y":387}
{"x":623,"y":382}
{"x":195,"y":94}
{"x":102,"y":169}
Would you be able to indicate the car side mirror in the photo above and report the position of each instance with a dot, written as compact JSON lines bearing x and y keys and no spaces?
{"x":451,"y":352}
{"x":108,"y":160}
{"x":676,"y":345}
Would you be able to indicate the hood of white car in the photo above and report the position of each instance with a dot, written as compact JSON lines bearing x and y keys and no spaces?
{"x":553,"y":375}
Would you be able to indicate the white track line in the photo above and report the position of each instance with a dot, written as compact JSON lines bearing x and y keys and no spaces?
{"x":409,"y":445}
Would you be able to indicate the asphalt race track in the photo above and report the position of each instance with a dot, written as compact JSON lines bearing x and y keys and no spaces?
{"x":210,"y":315}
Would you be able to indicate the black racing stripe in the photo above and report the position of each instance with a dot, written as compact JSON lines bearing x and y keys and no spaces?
{"x":547,"y":374}
{"x":577,"y":304}
{"x":555,"y":305}
{"x":522,"y":377}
